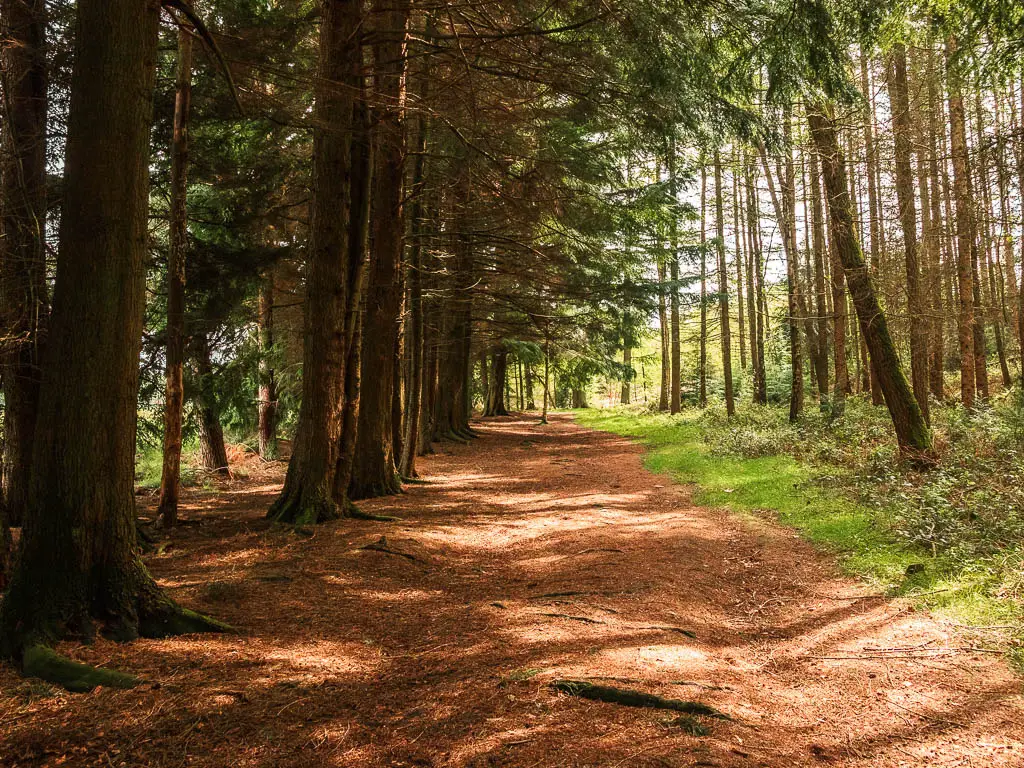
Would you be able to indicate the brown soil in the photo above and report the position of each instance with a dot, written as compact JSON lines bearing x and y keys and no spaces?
{"x":358,"y":657}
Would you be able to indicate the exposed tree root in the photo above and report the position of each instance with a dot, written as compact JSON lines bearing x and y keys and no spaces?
{"x":453,"y":437}
{"x":43,"y":662}
{"x":295,"y":509}
{"x":680,"y":630}
{"x":181,"y":621}
{"x":357,"y":514}
{"x":584,"y":619}
{"x":381,"y":545}
{"x":629,"y":698}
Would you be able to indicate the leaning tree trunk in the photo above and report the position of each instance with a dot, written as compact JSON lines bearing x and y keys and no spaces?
{"x":375,"y":470}
{"x":308,"y":494}
{"x":174,"y":389}
{"x":912,"y":433}
{"x":79,"y":564}
{"x":23,"y":291}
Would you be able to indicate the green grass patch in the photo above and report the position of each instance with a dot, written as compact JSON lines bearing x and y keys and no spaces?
{"x":817,"y":500}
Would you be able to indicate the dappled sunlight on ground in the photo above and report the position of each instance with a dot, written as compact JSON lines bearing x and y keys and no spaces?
{"x":532,"y":554}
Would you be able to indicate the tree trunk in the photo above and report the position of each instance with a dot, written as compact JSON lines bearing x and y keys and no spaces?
{"x":627,"y":368}
{"x":79,"y":564}
{"x":902,"y":134}
{"x":874,"y":203}
{"x":267,"y":392}
{"x":759,"y":389}
{"x":496,"y":388}
{"x":738,"y":240}
{"x":374,"y":470}
{"x":723,"y":289}
{"x":415,"y":324}
{"x":674,"y":395}
{"x":838,"y":287}
{"x":702,"y":356}
{"x":531,"y":404}
{"x":912,"y":433}
{"x":965,"y":230}
{"x":308,"y":491}
{"x":782,"y":214}
{"x":174,"y":393}
{"x":361,"y":164}
{"x":23,"y":289}
{"x":666,"y":376}
{"x":936,"y":354}
{"x":213,"y":454}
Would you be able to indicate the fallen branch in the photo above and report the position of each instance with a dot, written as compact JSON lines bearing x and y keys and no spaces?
{"x":629,"y":698}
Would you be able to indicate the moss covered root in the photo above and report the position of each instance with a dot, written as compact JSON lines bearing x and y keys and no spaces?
{"x":43,"y":662}
{"x":181,"y":621}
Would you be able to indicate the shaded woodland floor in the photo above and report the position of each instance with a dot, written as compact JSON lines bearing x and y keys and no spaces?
{"x":532,"y":554}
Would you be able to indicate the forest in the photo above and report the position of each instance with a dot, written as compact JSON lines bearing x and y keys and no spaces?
{"x":511,"y":383}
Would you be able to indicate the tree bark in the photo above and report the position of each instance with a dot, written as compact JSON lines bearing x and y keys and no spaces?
{"x":702,"y":352}
{"x":496,"y":386}
{"x":374,"y":471}
{"x":415,"y":324}
{"x":782,"y":214}
{"x":674,"y":395}
{"x":360,"y":192}
{"x":738,"y":240}
{"x":723,"y":289}
{"x":79,"y":563}
{"x":213,"y":454}
{"x":759,"y":390}
{"x":912,"y":433}
{"x":24,"y":303}
{"x":838,"y":287}
{"x":174,"y":391}
{"x":627,"y":367}
{"x":267,"y":391}
{"x":308,"y":491}
{"x":902,"y":134}
{"x":965,"y":229}
{"x":874,"y":203}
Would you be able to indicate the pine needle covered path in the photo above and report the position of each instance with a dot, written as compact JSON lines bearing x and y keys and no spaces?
{"x":533,"y":555}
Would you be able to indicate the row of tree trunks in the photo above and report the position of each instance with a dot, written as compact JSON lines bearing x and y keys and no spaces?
{"x":24,"y":303}
{"x":79,"y":564}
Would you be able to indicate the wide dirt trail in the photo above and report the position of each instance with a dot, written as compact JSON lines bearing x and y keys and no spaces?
{"x":535,"y":553}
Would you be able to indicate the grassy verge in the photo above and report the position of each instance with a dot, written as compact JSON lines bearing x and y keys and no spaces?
{"x":819,"y":501}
